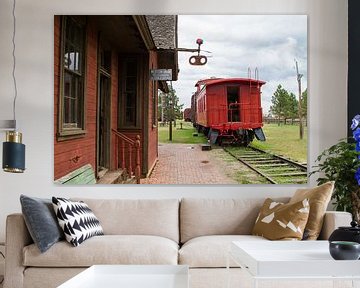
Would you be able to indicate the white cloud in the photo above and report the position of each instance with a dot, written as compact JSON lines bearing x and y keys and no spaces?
{"x":268,"y":42}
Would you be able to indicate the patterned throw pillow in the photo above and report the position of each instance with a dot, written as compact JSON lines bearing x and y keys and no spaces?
{"x":77,"y":220}
{"x":279,"y":221}
{"x":319,"y":198}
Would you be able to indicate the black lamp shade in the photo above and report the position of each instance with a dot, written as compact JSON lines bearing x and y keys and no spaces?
{"x":13,"y":157}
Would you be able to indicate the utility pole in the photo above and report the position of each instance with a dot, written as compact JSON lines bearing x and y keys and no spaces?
{"x":298,"y":77}
{"x":163,"y":95}
{"x":171,"y":111}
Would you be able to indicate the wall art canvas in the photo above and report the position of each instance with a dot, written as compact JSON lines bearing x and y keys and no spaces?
{"x":180,"y":99}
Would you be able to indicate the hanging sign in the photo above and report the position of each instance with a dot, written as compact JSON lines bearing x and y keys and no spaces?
{"x":161,"y":74}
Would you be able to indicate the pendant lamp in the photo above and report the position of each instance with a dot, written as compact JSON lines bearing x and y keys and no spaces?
{"x":13,"y":159}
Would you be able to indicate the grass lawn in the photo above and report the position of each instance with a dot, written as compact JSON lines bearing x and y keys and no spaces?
{"x":281,"y":140}
{"x":284,"y":140}
{"x":184,"y":135}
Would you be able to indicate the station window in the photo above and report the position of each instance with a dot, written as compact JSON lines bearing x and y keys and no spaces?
{"x":129,"y":98}
{"x":155,"y":95}
{"x":105,"y":60}
{"x":72,"y":102}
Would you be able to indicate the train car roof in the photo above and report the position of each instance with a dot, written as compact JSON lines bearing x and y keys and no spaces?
{"x":208,"y":82}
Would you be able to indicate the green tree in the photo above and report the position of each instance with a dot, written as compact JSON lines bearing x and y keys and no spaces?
{"x":284,"y":105}
{"x":304,"y":103}
{"x":166,"y":102}
{"x":291,"y":107}
{"x":279,"y":103}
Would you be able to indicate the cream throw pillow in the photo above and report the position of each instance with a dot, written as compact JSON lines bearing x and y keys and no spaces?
{"x":319,"y":198}
{"x":279,"y":221}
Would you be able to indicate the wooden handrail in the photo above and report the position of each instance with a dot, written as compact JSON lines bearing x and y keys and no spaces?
{"x":137,"y":167}
{"x":123,"y":136}
{"x":125,"y":159}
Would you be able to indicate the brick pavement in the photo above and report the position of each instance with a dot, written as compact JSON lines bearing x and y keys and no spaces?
{"x":187,"y":164}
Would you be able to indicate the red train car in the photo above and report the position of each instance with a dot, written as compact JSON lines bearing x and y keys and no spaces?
{"x":193,"y":109}
{"x":229,"y":110}
{"x":187,"y":115}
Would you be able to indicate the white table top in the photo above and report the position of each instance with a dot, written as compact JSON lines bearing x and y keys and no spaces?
{"x":291,"y":259}
{"x":131,"y":276}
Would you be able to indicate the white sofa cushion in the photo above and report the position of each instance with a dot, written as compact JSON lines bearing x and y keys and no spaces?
{"x":137,"y":217}
{"x":211,"y":251}
{"x":107,"y":249}
{"x":201,"y":217}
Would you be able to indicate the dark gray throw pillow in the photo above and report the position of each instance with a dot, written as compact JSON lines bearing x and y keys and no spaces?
{"x":41,"y":221}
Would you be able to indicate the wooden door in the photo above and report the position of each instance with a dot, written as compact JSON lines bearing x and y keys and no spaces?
{"x":233,"y":103}
{"x":103,"y":135}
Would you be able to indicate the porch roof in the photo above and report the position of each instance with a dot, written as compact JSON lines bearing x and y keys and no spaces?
{"x":164,"y":33}
{"x":164,"y":30}
{"x":140,"y":33}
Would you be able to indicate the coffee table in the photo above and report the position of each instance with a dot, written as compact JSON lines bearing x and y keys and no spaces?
{"x":131,"y":276}
{"x":293,"y":260}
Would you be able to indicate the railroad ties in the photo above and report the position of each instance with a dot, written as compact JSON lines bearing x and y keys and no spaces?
{"x":276,"y":169}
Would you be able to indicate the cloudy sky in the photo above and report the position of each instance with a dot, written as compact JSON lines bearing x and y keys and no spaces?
{"x":268,"y":42}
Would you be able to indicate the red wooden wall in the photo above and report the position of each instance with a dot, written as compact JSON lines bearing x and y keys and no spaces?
{"x":66,"y":152}
{"x":84,"y":148}
{"x":152,"y":152}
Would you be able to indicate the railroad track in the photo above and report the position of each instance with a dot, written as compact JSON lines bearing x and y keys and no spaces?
{"x":276,"y":169}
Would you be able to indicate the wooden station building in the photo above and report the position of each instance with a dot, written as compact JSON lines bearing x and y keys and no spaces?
{"x":105,"y":104}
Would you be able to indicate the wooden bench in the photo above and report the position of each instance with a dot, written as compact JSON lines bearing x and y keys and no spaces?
{"x":82,"y":175}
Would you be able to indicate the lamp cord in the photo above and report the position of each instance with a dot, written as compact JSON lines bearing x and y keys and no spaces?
{"x":14,"y":59}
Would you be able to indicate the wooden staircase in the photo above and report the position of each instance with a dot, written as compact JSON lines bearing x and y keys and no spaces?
{"x":119,"y":176}
{"x":127,"y":155}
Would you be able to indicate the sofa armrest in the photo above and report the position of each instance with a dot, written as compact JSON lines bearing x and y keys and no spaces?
{"x":333,"y":220}
{"x":17,"y":237}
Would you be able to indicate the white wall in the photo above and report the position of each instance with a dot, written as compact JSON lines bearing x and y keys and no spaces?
{"x":327,"y":88}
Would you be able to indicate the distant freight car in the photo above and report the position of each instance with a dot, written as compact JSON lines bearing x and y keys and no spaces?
{"x":229,"y":110}
{"x":193,"y":109}
{"x":187,"y":115}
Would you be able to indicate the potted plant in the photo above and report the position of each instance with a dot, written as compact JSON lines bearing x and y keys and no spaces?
{"x":341,"y":163}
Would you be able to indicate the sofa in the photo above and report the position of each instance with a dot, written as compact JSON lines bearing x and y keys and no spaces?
{"x":190,"y":231}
